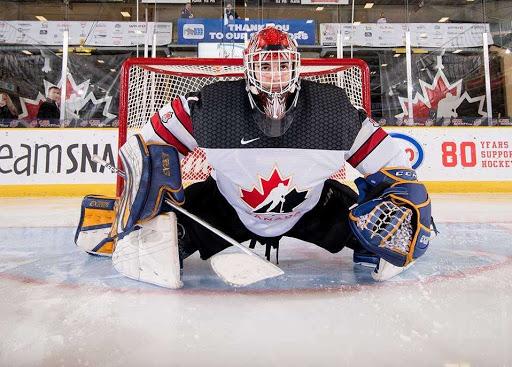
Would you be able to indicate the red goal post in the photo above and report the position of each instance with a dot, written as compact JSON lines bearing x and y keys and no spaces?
{"x":148,"y":84}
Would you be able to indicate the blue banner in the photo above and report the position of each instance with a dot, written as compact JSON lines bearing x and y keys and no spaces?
{"x":194,"y":31}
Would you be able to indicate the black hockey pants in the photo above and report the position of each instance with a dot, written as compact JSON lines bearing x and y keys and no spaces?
{"x":326,"y":225}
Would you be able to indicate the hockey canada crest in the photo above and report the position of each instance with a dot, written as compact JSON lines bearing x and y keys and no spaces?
{"x":441,"y":98}
{"x":79,"y":103}
{"x":274,"y":194}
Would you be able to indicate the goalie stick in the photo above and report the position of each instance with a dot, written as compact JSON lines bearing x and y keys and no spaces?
{"x":236,"y":269}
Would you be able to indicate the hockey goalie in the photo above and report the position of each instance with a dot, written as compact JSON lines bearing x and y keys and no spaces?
{"x":272,"y":140}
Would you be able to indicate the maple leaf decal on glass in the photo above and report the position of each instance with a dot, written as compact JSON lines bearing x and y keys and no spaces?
{"x":439,"y":98}
{"x":273,"y":195}
{"x":79,"y":103}
{"x":30,"y":107}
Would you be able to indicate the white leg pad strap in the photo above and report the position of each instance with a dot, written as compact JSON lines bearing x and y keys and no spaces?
{"x":151,"y":253}
{"x":386,"y":270}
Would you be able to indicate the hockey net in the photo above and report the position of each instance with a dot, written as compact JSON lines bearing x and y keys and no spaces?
{"x":148,"y":84}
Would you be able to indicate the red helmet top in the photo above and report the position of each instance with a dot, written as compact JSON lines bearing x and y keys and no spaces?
{"x":270,"y":38}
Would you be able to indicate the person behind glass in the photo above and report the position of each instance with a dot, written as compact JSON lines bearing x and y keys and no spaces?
{"x":382,"y":18}
{"x":7,"y":109}
{"x":230,"y":13}
{"x":186,"y":12}
{"x":50,"y":109}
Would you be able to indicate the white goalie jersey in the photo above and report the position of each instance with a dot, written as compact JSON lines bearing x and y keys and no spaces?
{"x":272,"y":182}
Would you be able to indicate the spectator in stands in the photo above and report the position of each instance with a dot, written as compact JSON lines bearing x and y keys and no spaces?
{"x":7,"y":108}
{"x":382,"y":18}
{"x":32,"y":123}
{"x":186,"y":12}
{"x":230,"y":13}
{"x":50,"y":109}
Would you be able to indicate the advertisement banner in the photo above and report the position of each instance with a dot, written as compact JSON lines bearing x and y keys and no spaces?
{"x":56,"y":156}
{"x":457,"y":158}
{"x":432,"y":35}
{"x":193,"y":31}
{"x":97,"y":33}
{"x":458,"y":153}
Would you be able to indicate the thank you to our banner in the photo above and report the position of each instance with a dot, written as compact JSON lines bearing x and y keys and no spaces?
{"x":193,"y":31}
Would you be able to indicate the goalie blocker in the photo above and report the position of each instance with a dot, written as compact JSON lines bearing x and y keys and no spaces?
{"x":393,"y":216}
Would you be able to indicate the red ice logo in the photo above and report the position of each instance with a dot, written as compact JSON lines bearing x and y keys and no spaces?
{"x":273,"y":195}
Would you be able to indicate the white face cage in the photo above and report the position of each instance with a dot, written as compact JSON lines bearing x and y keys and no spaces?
{"x":272,"y":72}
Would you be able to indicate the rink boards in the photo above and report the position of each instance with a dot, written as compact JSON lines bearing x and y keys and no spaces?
{"x":58,"y":162}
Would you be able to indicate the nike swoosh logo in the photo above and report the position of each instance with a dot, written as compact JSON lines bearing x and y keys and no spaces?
{"x":243,"y":141}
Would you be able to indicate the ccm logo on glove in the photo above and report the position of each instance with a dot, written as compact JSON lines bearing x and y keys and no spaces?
{"x":409,"y":174}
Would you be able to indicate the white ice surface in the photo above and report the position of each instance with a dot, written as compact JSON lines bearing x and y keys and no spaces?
{"x":462,"y":317}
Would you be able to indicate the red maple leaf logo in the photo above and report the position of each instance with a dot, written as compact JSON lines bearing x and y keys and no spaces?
{"x":30,"y":107}
{"x":70,"y":89}
{"x":33,"y":109}
{"x":427,"y":99}
{"x":420,"y":109}
{"x":76,"y":98}
{"x":255,"y":196}
{"x":424,"y":102}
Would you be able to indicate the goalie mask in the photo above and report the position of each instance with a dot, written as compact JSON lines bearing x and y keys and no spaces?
{"x":272,"y":66}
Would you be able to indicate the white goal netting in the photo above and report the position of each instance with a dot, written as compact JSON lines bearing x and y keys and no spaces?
{"x":148,"y":84}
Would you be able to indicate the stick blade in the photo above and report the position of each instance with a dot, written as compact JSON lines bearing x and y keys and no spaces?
{"x":240,"y":269}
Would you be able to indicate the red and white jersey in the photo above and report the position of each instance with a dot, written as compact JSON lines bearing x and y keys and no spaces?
{"x":272,"y":182}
